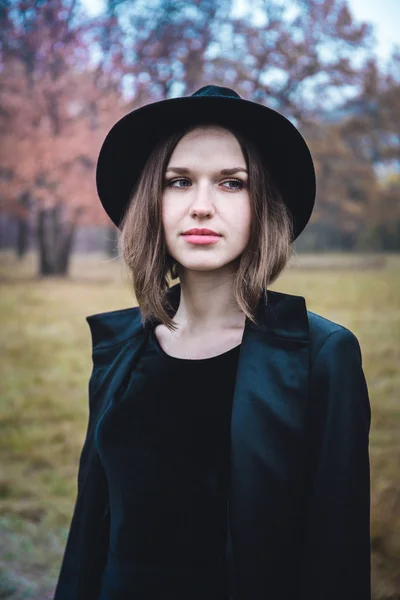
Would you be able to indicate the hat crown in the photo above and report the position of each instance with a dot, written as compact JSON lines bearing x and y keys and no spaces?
{"x":216,"y":90}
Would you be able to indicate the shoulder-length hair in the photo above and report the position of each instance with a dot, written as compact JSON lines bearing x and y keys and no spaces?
{"x":142,"y":246}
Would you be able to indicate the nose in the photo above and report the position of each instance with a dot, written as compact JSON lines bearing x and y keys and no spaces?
{"x":202,"y":203}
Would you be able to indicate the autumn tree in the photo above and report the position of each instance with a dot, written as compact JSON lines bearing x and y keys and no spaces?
{"x":346,"y":192}
{"x":370,"y":129}
{"x":53,"y":116}
{"x":371,"y":122}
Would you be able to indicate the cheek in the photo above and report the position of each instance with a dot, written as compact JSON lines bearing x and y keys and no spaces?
{"x":166,"y":212}
{"x":243,"y":218}
{"x":171,"y":218}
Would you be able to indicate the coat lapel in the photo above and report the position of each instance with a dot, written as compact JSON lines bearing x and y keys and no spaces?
{"x":268,"y":434}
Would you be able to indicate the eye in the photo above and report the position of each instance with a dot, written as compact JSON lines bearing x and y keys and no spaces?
{"x":239,"y":183}
{"x":170,"y":183}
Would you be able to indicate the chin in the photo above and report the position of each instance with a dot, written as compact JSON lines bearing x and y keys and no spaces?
{"x":206,"y":265}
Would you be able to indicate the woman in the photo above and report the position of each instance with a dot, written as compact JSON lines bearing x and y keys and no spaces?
{"x":226,"y":454}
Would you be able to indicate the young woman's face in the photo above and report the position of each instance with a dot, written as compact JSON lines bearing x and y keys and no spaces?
{"x":203,"y":197}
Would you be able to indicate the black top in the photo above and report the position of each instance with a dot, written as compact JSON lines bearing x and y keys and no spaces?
{"x":165,"y":449}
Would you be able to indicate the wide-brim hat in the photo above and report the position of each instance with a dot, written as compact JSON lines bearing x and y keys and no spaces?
{"x":131,"y":140}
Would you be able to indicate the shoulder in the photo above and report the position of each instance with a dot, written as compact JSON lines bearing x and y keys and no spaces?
{"x":114,"y":327}
{"x":337,"y":379}
{"x":287,"y":316}
{"x":329,"y":338}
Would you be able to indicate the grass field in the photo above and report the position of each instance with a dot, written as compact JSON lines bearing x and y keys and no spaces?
{"x":45,"y":368}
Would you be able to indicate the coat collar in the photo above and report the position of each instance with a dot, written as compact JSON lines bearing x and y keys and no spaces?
{"x":279,"y":315}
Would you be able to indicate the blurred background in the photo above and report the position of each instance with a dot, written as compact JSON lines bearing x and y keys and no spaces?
{"x":68,"y":70}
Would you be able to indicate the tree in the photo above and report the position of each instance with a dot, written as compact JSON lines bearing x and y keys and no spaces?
{"x":51,"y":133}
{"x":65,"y":79}
{"x":372,"y":127}
{"x":299,"y":59}
{"x":347,"y":189}
{"x":295,"y":57}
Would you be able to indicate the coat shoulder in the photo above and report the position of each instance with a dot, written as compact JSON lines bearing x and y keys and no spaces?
{"x":321,"y":329}
{"x":114,"y":327}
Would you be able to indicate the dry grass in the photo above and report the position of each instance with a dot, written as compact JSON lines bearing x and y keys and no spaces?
{"x":45,"y":367}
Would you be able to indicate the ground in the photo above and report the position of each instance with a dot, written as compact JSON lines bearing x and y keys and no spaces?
{"x":45,"y":368}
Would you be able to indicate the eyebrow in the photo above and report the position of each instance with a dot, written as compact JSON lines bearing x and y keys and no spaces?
{"x":222,"y":172}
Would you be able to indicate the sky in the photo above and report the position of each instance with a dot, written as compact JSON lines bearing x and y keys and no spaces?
{"x":384,"y":15}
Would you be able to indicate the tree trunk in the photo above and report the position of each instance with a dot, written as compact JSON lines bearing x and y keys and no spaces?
{"x":23,"y":225}
{"x":22,"y":237}
{"x":55,"y":239}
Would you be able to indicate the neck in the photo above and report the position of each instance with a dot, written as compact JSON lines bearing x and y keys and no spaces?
{"x":207,"y":303}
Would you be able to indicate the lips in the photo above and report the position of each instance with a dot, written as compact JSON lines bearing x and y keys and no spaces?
{"x":201,"y":240}
{"x":202,"y":231}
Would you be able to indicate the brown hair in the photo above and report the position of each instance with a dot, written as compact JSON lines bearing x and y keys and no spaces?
{"x":142,"y":246}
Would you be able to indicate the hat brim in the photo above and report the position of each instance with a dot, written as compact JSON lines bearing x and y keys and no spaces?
{"x":130,"y":141}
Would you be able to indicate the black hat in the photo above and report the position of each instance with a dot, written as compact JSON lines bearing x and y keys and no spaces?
{"x":131,"y":140}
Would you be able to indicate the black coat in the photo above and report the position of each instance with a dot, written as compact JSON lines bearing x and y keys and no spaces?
{"x":299,"y":498}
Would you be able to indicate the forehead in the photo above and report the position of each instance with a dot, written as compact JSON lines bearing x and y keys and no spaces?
{"x":208,"y":143}
{"x":208,"y":131}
